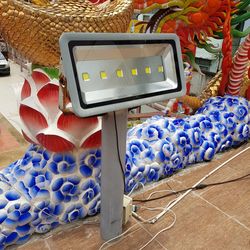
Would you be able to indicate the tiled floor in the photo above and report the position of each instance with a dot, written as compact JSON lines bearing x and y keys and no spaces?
{"x":10,"y":88}
{"x":217,"y":217}
{"x":12,"y":144}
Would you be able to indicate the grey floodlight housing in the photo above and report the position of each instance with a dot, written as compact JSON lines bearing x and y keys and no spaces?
{"x":108,"y":71}
{"x":114,"y":72}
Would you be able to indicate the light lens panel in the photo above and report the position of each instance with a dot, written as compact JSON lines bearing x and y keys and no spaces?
{"x":130,"y":70}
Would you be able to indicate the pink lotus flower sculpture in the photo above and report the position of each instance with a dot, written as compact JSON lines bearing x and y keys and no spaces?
{"x":45,"y":124}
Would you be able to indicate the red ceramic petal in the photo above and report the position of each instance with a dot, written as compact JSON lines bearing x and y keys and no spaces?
{"x":76,"y":126}
{"x":27,"y":138}
{"x":32,"y":118}
{"x":48,"y":95}
{"x":55,"y":143}
{"x":94,"y":141}
{"x":26,"y":90}
{"x":40,"y":78}
{"x":97,"y":1}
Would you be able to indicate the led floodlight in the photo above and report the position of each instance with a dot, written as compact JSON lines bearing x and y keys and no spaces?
{"x":107,"y":72}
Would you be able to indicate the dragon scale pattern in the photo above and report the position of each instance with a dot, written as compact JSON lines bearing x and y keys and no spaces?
{"x":34,"y":31}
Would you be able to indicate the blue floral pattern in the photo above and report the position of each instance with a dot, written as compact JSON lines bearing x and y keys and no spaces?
{"x":44,"y":189}
{"x":65,"y":189}
{"x":222,"y":122}
{"x":62,"y":164}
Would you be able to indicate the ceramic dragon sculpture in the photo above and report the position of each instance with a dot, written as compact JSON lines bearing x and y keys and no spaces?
{"x":194,"y":21}
{"x":57,"y":181}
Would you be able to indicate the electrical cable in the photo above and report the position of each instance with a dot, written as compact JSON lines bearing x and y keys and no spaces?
{"x":196,"y":184}
{"x":129,"y":229}
{"x":169,"y":186}
{"x":160,"y":191}
{"x":136,"y":186}
{"x":153,"y":219}
{"x":200,"y":186}
{"x":117,"y":237}
{"x":161,"y":231}
{"x":152,"y":208}
{"x":118,"y":149}
{"x":178,"y":199}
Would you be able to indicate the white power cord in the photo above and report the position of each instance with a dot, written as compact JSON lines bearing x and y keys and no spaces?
{"x":170,"y":205}
{"x":196,"y":184}
{"x":139,"y":223}
{"x":153,"y":219}
{"x":136,"y":186}
{"x":152,"y":208}
{"x":161,"y":231}
{"x":160,"y":191}
{"x":117,"y":237}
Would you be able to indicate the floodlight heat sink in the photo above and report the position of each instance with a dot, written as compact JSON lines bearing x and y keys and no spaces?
{"x":108,"y":72}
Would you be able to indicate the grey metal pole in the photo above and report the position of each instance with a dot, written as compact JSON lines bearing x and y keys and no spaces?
{"x":112,"y":179}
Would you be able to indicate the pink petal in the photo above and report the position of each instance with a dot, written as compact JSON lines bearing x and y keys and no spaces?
{"x":26,"y":90}
{"x":39,"y":78}
{"x":32,"y":118}
{"x":55,"y":143}
{"x":94,"y":141}
{"x":76,"y":126}
{"x":48,"y":95}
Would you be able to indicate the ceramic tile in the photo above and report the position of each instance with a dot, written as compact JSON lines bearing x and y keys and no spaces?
{"x":233,"y":199}
{"x":7,"y":141}
{"x":5,"y":124}
{"x":166,"y":186}
{"x":12,"y":143}
{"x":34,"y":245}
{"x":88,"y":237}
{"x":8,"y":157}
{"x":194,"y":173}
{"x":16,"y":122}
{"x":80,"y":237}
{"x":136,"y":241}
{"x":200,"y":226}
{"x":9,"y":91}
{"x":242,"y":163}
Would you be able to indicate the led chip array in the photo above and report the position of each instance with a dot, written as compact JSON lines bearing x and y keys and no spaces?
{"x":160,"y":69}
{"x":148,"y":70}
{"x":119,"y":73}
{"x":134,"y":72}
{"x":103,"y":75}
{"x":85,"y":76}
